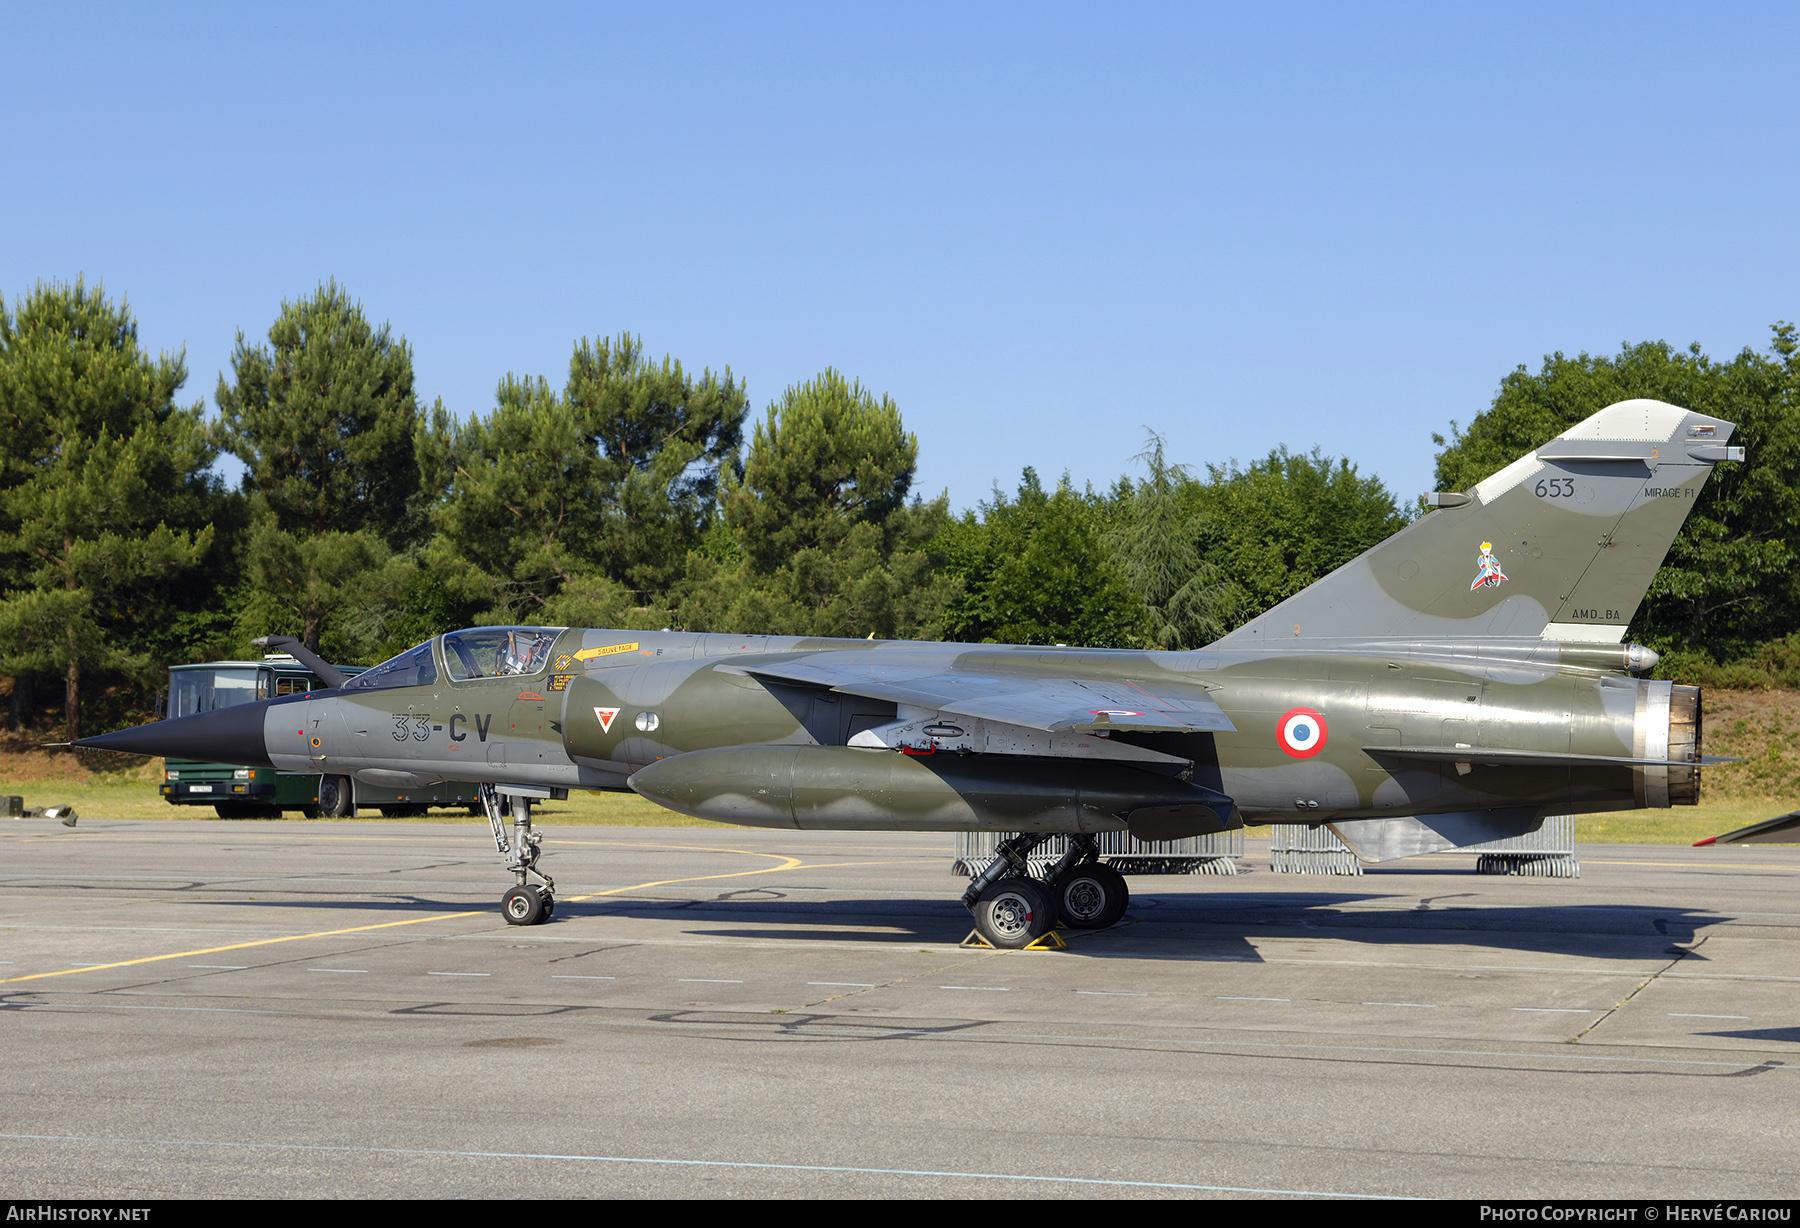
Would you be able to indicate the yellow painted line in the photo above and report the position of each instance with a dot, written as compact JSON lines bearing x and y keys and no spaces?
{"x":788,"y":863}
{"x":836,"y":865}
{"x":239,"y":946}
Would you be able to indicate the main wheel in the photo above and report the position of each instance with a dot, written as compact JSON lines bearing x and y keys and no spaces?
{"x":549,"y":906}
{"x":1014,"y":912}
{"x":337,"y":800}
{"x":522,"y":906}
{"x":1091,"y":897}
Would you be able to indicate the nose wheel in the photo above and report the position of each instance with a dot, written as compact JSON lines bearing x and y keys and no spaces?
{"x":525,"y":906}
{"x":525,"y":902}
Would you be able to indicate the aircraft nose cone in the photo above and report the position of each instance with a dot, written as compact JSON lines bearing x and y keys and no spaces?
{"x":225,"y":735}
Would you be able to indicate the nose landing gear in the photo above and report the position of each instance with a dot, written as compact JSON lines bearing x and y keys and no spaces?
{"x":526,"y":902}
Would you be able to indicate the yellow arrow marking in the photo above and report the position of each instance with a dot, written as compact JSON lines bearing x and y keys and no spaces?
{"x":588,"y":654}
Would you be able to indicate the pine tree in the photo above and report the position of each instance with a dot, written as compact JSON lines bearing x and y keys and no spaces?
{"x":818,"y":536}
{"x":606,"y":485}
{"x":526,"y":510}
{"x":827,"y":457}
{"x":324,"y":418}
{"x":105,"y":498}
{"x":664,"y":438}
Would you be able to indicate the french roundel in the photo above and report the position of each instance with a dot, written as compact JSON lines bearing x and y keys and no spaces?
{"x":1302,"y":732}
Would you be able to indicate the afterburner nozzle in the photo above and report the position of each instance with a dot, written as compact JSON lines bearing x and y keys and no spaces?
{"x":224,"y":735}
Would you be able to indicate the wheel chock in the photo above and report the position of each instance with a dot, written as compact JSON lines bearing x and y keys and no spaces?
{"x":1051,"y":941}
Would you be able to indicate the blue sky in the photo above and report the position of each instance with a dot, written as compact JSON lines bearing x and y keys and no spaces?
{"x":1039,"y":228}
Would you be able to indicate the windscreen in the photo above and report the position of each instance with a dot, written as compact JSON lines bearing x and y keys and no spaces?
{"x":414,"y":667}
{"x":202,"y":690}
{"x":495,"y":652}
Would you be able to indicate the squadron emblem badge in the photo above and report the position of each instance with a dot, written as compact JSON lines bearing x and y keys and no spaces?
{"x":1490,"y":573}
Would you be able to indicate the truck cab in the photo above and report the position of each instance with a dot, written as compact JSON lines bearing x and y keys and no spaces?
{"x":254,"y":793}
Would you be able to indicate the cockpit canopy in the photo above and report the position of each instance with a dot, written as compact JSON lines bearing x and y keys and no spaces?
{"x":483,"y":652}
{"x":495,"y":652}
{"x":414,"y":667}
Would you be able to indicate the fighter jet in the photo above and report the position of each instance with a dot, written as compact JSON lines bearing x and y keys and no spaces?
{"x":1452,"y":685}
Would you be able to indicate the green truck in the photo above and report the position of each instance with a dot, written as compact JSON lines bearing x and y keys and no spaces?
{"x":256,"y":793}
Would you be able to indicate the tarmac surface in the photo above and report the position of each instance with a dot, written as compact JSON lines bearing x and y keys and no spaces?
{"x":321,"y":1009}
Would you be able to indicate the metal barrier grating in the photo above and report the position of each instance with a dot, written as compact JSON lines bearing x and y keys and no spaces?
{"x":1213,"y":854}
{"x":1295,"y":848}
{"x":1548,"y":852}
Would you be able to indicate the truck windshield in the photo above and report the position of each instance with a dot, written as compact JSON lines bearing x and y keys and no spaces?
{"x":202,"y":690}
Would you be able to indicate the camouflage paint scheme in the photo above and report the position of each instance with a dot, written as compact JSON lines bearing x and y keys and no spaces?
{"x":1453,"y":684}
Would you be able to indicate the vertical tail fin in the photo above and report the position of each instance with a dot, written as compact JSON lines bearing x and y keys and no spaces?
{"x":1562,"y":543}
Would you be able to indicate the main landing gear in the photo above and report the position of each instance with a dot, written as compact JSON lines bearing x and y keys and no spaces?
{"x":1012,"y":909}
{"x":526,"y":903}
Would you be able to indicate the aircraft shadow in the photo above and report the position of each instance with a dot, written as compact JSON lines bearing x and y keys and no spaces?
{"x":1789,"y":1035}
{"x":361,"y":903}
{"x":1175,"y":926}
{"x":1216,"y":927}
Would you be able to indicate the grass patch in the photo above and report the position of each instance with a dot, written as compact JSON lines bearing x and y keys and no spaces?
{"x":118,"y":796}
{"x":608,"y":810}
{"x":1677,"y":825}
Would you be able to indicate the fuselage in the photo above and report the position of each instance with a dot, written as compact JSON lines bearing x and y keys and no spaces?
{"x":595,"y":707}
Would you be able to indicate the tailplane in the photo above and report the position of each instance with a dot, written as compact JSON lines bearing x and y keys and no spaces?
{"x":1783,"y":829}
{"x":1562,"y":543}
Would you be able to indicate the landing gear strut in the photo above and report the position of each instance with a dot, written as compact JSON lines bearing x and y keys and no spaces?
{"x":526,"y":902}
{"x":1012,"y":909}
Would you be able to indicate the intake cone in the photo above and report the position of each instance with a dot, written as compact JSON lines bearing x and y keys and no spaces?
{"x":225,"y":735}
